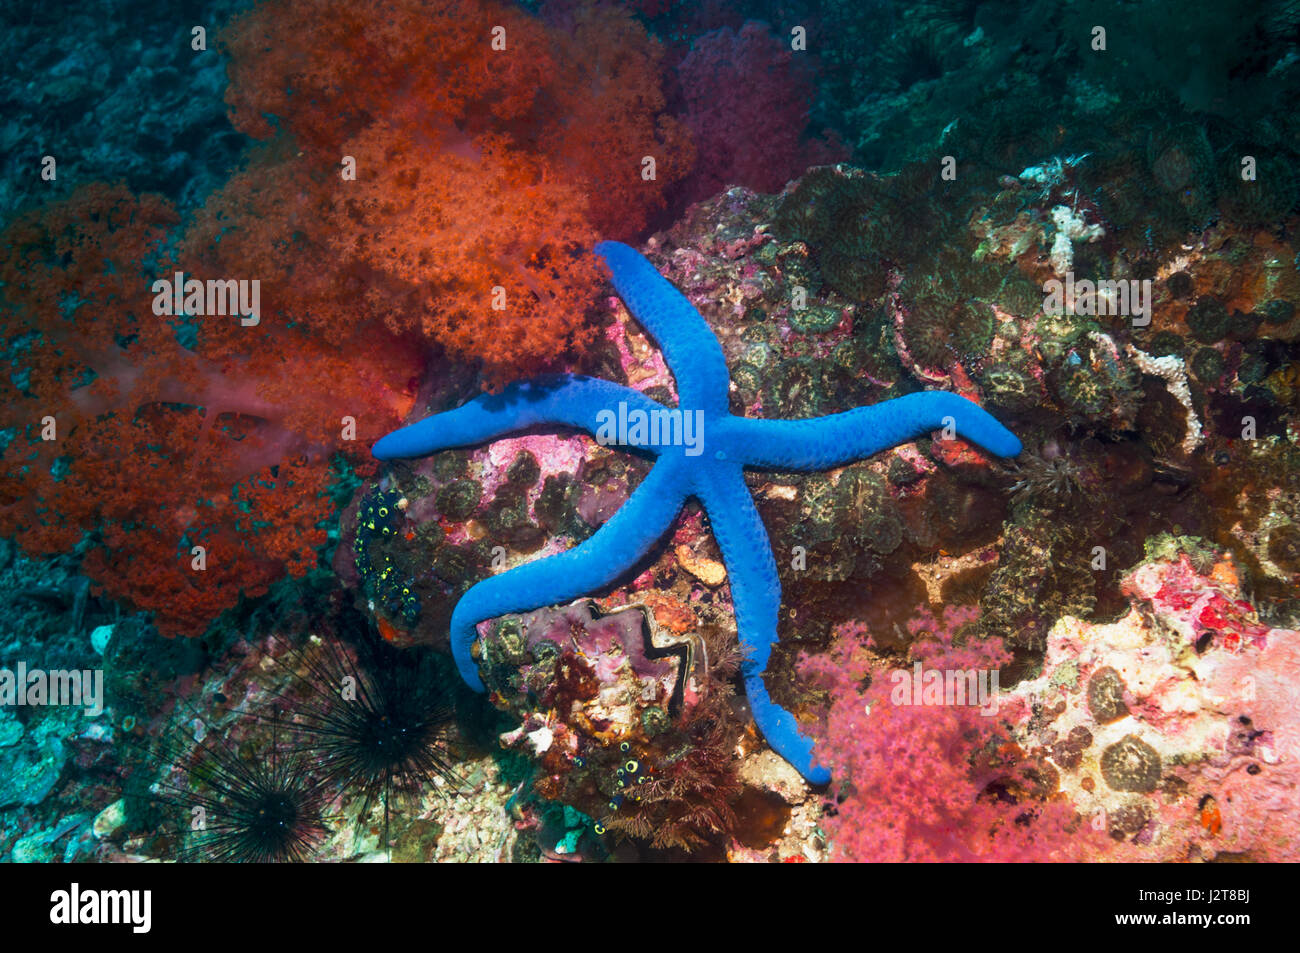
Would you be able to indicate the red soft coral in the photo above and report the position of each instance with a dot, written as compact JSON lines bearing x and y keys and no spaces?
{"x":159,"y":448}
{"x":483,"y":176}
{"x":606,"y":117}
{"x":747,"y":101}
{"x":325,"y":69}
{"x":484,"y":249}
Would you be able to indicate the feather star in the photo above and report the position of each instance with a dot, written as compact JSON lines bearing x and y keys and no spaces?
{"x":708,"y":467}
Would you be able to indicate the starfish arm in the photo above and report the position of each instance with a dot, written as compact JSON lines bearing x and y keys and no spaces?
{"x":756,"y":595}
{"x":591,"y":565}
{"x":563,"y":400}
{"x":823,"y":442}
{"x":689,"y":347}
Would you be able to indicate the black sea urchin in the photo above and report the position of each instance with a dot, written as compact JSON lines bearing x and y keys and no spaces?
{"x":238,"y":808}
{"x":372,"y":721}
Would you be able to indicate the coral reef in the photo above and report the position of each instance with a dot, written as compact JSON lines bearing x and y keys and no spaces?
{"x":686,"y":467}
{"x":627,"y":720}
{"x":746,"y":87}
{"x":197,"y":474}
{"x":478,"y":175}
{"x":1064,"y":496}
{"x":1092,"y":234}
{"x":940,"y":779}
{"x":121,"y":97}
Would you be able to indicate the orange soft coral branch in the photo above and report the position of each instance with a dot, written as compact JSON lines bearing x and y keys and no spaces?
{"x":160,"y":448}
{"x":452,"y":228}
{"x":608,"y":118}
{"x":477,"y":168}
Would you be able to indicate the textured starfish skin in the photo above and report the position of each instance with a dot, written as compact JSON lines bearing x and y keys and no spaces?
{"x":714,"y":477}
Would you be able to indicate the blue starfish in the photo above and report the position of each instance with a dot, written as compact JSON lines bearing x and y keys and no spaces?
{"x":711,"y":470}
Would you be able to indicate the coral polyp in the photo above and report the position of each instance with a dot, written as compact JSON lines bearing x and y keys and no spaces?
{"x":1051,"y":478}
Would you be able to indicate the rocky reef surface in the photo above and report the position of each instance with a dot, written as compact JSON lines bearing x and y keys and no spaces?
{"x":1132,"y":575}
{"x":131,"y":99}
{"x":830,"y":296}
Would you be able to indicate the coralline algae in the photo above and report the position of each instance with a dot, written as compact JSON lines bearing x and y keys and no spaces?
{"x":1187,"y":699}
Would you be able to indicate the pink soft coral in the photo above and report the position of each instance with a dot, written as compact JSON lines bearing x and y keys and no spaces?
{"x":931,"y":782}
